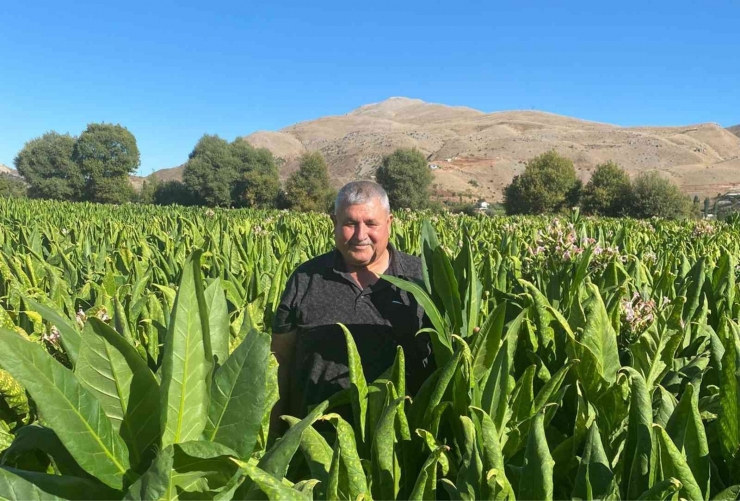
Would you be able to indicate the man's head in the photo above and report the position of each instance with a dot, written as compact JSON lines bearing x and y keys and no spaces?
{"x":362,"y":222}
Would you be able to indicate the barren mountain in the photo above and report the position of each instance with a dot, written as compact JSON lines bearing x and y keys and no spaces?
{"x":478,"y":153}
{"x":7,"y":170}
{"x":735,"y":129}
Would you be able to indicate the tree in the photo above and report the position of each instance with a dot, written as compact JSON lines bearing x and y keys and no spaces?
{"x":236,"y":174}
{"x":173,"y":192}
{"x":608,"y":191}
{"x":406,"y":178}
{"x":258,"y":180}
{"x":46,"y":165}
{"x":706,"y":206}
{"x":107,"y":155}
{"x":12,"y":186}
{"x":309,"y":188}
{"x":548,"y":184}
{"x":654,"y":195}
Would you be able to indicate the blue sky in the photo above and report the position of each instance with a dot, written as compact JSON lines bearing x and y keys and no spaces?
{"x":172,"y":71}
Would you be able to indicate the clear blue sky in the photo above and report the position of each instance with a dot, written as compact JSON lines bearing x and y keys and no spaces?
{"x":172,"y":71}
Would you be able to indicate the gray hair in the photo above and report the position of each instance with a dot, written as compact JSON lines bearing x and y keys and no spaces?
{"x":361,"y":192}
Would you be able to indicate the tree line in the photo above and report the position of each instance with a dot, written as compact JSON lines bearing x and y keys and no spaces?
{"x":95,"y":166}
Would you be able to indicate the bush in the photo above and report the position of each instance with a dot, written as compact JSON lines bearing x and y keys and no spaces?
{"x":309,"y":188}
{"x":654,"y":195}
{"x":548,"y":184}
{"x":608,"y":192}
{"x":406,"y":178}
{"x":12,"y":186}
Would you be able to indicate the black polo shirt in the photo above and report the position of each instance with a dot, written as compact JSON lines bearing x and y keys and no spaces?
{"x":319,"y":294}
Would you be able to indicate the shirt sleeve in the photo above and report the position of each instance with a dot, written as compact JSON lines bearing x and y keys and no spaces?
{"x":286,"y":317}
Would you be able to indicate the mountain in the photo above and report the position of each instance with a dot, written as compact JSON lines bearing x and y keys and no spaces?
{"x":479,"y":153}
{"x":735,"y":129}
{"x":4,"y":169}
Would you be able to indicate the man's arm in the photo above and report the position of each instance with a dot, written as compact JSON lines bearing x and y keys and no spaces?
{"x":283,"y":346}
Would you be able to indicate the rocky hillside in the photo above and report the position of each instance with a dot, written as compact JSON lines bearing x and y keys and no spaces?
{"x":4,"y":169}
{"x":478,"y":153}
{"x":735,"y":129}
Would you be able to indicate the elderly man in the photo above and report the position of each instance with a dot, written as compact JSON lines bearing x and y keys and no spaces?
{"x":344,"y":286}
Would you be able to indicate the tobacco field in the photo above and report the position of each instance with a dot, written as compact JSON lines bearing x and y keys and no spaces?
{"x":135,"y":360}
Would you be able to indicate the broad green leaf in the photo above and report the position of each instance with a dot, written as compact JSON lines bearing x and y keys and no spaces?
{"x":187,"y":362}
{"x":120,"y":379}
{"x":357,"y":383}
{"x":218,"y":320}
{"x":673,"y":464}
{"x":271,"y":485}
{"x":70,"y":409}
{"x":316,"y":451}
{"x":595,"y":479}
{"x":487,"y":342}
{"x":426,"y":482}
{"x":332,"y":482}
{"x":238,"y":395}
{"x":29,"y":485}
{"x":686,"y":429}
{"x":441,"y":338}
{"x":155,"y":483}
{"x":350,"y":460}
{"x":470,"y":474}
{"x":276,"y":460}
{"x":665,"y":489}
{"x":383,"y":454}
{"x":537,"y":473}
{"x":729,"y":393}
{"x":638,"y":448}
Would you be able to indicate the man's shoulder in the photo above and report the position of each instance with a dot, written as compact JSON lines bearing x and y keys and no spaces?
{"x":410,"y":266}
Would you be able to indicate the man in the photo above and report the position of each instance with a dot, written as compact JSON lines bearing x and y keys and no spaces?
{"x":344,"y":286}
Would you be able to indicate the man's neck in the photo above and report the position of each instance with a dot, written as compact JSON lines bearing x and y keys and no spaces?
{"x":368,"y":275}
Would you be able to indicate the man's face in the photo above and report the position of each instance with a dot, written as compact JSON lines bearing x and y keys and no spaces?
{"x":361,"y":232}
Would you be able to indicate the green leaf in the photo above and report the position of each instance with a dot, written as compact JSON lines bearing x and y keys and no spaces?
{"x":686,"y":429}
{"x":332,"y":483}
{"x":155,"y":483}
{"x":69,"y":335}
{"x":120,"y":379}
{"x":495,"y":396}
{"x":426,"y":483}
{"x":187,"y":362}
{"x":357,"y":384}
{"x":537,"y":472}
{"x":665,"y":489}
{"x":595,"y":479}
{"x":487,"y":342}
{"x":30,"y":485}
{"x":383,"y":454}
{"x":276,"y":460}
{"x":729,"y":392}
{"x":470,"y":474}
{"x":218,"y":320}
{"x":70,"y":409}
{"x":441,"y":340}
{"x":238,"y":395}
{"x":730,"y":494}
{"x":270,"y":485}
{"x":446,"y":288}
{"x":350,"y":459}
{"x":638,"y":448}
{"x":673,"y":464}
{"x":315,"y":449}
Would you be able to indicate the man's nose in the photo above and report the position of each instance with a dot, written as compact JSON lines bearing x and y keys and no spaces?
{"x":360,"y":232}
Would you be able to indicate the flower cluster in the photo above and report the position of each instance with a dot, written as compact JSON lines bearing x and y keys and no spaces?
{"x":638,"y":314}
{"x":53,"y":336}
{"x":703,"y":228}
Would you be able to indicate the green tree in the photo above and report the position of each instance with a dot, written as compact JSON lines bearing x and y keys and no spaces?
{"x":309,"y":188}
{"x":12,"y":186}
{"x":406,"y":177}
{"x":548,"y":184}
{"x":654,"y":195}
{"x":107,"y":155}
{"x":46,"y":165}
{"x":608,"y":191}
{"x":258,"y":180}
{"x":706,"y":206}
{"x":174,"y":192}
{"x":236,"y":174}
